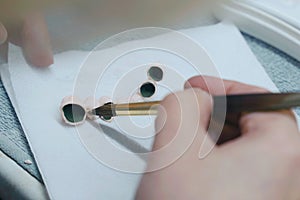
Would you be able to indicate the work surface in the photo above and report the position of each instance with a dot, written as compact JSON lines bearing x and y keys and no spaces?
{"x":282,"y":69}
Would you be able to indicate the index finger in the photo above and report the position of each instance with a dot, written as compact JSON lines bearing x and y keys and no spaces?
{"x":248,"y":122}
{"x":217,"y":86}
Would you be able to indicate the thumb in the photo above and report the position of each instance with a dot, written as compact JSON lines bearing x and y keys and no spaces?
{"x":3,"y":34}
{"x":183,"y":117}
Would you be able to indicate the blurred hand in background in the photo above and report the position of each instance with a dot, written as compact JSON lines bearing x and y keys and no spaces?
{"x":25,"y":27}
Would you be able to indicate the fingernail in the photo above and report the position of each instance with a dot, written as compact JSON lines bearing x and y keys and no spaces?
{"x":3,"y":34}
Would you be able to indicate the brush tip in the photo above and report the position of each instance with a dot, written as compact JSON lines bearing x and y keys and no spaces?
{"x":105,"y":112}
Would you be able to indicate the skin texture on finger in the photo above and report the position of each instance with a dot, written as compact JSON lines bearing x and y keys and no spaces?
{"x":181,"y":128}
{"x":3,"y":33}
{"x":216,"y":86}
{"x":187,"y":110}
{"x":35,"y":41}
{"x":256,"y":123}
{"x":270,"y":146}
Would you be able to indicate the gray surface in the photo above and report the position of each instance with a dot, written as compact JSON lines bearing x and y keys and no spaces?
{"x":12,"y":139}
{"x":17,"y":184}
{"x":284,"y":71}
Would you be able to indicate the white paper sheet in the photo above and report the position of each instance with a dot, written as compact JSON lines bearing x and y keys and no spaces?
{"x":62,"y":153}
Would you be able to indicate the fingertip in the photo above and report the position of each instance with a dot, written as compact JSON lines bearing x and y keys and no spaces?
{"x":3,"y":34}
{"x":209,"y":84}
{"x":36,"y":41}
{"x":189,"y":85}
{"x":196,"y":81}
{"x":39,"y":58}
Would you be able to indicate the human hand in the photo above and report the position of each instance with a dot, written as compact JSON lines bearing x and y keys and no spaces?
{"x":262,"y":163}
{"x":30,"y":32}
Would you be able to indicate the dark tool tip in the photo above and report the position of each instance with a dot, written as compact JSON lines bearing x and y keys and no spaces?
{"x":106,"y":111}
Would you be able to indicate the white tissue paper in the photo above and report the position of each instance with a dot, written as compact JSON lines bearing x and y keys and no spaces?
{"x":67,"y":156}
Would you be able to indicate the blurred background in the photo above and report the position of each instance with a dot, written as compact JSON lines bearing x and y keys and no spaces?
{"x":74,"y":23}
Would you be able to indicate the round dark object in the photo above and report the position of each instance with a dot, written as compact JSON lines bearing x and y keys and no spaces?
{"x":147,"y":90}
{"x":74,"y":113}
{"x":156,"y":73}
